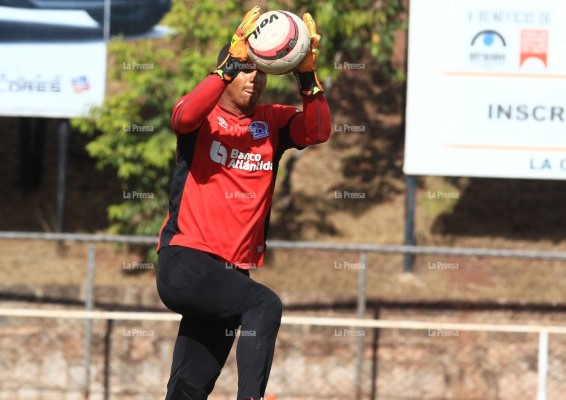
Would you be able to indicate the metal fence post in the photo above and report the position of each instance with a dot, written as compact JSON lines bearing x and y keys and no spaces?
{"x":107,"y":352}
{"x":106,"y":27}
{"x":360,"y":313}
{"x":542,"y":364}
{"x":62,"y":161}
{"x":89,"y":305}
{"x":409,"y":258}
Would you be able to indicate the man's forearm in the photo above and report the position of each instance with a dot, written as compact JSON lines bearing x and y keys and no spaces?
{"x":191,"y":110}
{"x":314,"y":125}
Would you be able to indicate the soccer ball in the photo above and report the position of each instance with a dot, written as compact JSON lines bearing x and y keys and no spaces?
{"x":279,"y":43}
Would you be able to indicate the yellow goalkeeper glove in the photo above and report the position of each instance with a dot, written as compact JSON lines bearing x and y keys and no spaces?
{"x":237,"y":57}
{"x":306,"y":71}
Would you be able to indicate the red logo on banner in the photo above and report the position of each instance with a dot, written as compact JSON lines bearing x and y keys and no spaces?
{"x":534,"y":44}
{"x":81,"y":84}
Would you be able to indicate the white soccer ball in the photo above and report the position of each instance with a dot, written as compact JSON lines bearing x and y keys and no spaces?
{"x":279,"y":43}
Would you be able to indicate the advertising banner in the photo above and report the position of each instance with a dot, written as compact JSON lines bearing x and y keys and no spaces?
{"x":53,"y":52}
{"x":486,"y":84}
{"x":52,"y":63}
{"x":67,"y":82}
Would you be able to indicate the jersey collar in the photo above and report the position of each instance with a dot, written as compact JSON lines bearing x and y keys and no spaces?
{"x":235,"y":113}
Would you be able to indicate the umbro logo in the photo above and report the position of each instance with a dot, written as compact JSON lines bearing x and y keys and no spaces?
{"x":222,"y":122}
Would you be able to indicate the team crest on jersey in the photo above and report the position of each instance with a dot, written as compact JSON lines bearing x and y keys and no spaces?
{"x":259,"y":129}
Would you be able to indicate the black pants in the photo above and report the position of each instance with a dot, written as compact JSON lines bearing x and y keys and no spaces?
{"x":214,"y":299}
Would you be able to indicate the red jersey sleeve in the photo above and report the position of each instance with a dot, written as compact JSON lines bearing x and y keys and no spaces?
{"x":191,"y":110}
{"x":280,"y":116}
{"x":313,"y":125}
{"x":301,"y":129}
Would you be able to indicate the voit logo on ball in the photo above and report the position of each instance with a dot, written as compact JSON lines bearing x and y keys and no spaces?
{"x":488,"y":49}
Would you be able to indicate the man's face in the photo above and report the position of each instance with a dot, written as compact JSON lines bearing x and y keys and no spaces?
{"x":245,"y":91}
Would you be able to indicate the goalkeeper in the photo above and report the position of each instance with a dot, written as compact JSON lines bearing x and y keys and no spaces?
{"x":228,"y":152}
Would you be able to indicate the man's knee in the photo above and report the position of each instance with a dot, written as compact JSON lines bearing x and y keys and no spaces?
{"x":271,"y":303}
{"x":185,"y":391}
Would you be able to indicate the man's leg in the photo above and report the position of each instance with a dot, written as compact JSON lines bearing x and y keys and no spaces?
{"x":196,"y":285}
{"x":256,"y":345}
{"x":201,"y":350}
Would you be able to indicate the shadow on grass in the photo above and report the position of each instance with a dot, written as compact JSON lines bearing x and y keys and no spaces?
{"x":509,"y":208}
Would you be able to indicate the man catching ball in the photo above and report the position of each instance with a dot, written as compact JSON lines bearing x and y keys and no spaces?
{"x":228,"y":152}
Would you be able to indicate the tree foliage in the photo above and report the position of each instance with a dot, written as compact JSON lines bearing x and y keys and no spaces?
{"x":131,"y":133}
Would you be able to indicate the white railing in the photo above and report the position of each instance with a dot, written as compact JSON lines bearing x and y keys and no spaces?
{"x":542,"y":330}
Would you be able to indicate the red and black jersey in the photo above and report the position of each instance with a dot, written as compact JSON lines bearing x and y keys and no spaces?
{"x":223,"y":183}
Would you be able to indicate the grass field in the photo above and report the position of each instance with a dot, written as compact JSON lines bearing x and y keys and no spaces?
{"x":303,"y":277}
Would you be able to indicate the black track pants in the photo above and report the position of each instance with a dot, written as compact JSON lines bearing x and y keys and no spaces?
{"x":214,"y":299}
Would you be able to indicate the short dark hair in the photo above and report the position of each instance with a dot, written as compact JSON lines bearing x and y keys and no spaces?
{"x":223,"y":54}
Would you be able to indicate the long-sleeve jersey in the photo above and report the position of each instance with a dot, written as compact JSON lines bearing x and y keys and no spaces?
{"x":222,"y":188}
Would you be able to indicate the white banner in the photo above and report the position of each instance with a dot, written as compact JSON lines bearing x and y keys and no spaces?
{"x":487,"y":89}
{"x":53,"y":53}
{"x":52,"y":63}
{"x":59,"y":81}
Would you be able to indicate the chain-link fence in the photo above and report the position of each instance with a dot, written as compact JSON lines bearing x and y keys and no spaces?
{"x":42,"y":358}
{"x":66,"y":358}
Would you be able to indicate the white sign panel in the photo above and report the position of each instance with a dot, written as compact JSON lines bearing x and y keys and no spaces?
{"x":52,"y":63}
{"x":64,"y":81}
{"x":487,"y":89}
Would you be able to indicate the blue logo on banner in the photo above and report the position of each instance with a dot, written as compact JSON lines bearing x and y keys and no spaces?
{"x":489,"y":38}
{"x":259,"y":129}
{"x":81,"y":84}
